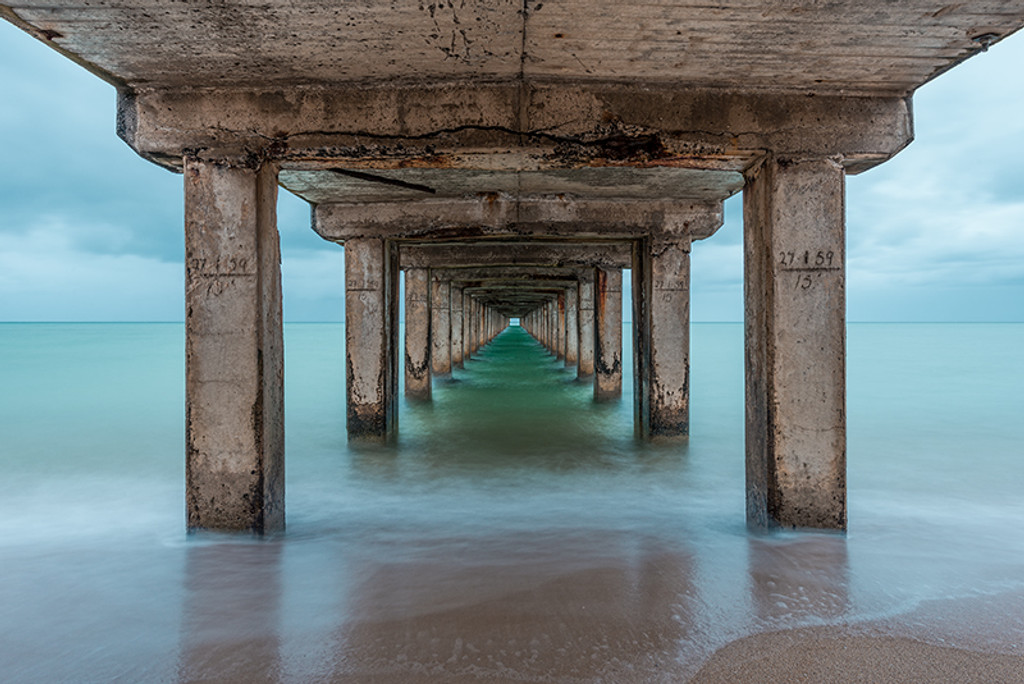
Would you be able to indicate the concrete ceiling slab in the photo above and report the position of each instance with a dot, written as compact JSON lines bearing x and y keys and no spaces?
{"x":868,"y":46}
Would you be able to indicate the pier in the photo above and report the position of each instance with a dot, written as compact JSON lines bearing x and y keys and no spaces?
{"x":511,"y":161}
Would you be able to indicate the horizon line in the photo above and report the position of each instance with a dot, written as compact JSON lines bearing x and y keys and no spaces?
{"x":322,"y":322}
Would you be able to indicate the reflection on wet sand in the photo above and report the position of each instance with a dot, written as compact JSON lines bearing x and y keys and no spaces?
{"x":230,"y":618}
{"x":555,"y":607}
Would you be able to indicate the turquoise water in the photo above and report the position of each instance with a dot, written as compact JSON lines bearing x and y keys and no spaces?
{"x":516,"y":530}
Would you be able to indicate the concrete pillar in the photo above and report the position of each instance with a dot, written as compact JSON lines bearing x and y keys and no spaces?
{"x":481,"y":325}
{"x":370,"y":330}
{"x":794,"y":273}
{"x":417,"y":333}
{"x":661,"y":337}
{"x":585,"y":367}
{"x":552,"y":332}
{"x":572,"y":332}
{"x":470,"y":331}
{"x":560,"y":331}
{"x":440,"y":326}
{"x":607,"y":334}
{"x":467,"y":327}
{"x":469,"y":310}
{"x":456,"y":320}
{"x":545,"y":322}
{"x":474,"y":326}
{"x":234,"y":351}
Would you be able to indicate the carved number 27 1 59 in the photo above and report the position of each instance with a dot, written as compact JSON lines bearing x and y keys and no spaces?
{"x":820,"y":259}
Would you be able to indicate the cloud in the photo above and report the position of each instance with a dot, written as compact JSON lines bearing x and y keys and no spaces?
{"x":948,"y":212}
{"x":88,"y":230}
{"x":45,"y":277}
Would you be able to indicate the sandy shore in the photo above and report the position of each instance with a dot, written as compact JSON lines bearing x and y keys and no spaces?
{"x":976,"y":639}
{"x":831,"y":654}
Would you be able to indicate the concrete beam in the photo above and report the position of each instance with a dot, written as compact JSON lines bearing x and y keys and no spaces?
{"x":794,"y":285}
{"x":508,"y":273}
{"x":504,"y":216}
{"x":544,"y":125}
{"x":522,"y":253}
{"x":234,"y":357}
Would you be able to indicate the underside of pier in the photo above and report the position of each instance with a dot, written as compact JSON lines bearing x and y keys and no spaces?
{"x":512,"y":158}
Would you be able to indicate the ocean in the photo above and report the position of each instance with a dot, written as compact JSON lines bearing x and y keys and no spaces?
{"x":516,"y":531}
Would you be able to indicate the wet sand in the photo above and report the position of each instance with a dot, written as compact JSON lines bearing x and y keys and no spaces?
{"x":976,"y":639}
{"x":516,"y":610}
{"x":832,"y":654}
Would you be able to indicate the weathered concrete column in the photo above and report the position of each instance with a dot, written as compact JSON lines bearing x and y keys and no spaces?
{"x":440,"y":326}
{"x":481,"y":325}
{"x":552,"y":341}
{"x":470,"y":331}
{"x":370,"y":331}
{"x":572,"y":331}
{"x":474,"y":325}
{"x":457,"y":323}
{"x":417,"y":333}
{"x":794,"y":286}
{"x":560,"y":330}
{"x":607,"y":334}
{"x":661,"y":334}
{"x":585,"y":367}
{"x":234,"y":351}
{"x":465,"y":313}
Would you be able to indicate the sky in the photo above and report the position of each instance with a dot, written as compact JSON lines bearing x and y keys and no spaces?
{"x":89,"y":231}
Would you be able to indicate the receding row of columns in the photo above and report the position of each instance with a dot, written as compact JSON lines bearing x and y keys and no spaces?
{"x":795,"y":341}
{"x":585,"y":335}
{"x":444,"y":326}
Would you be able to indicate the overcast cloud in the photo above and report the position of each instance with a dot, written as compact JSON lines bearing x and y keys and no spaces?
{"x":90,"y":231}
